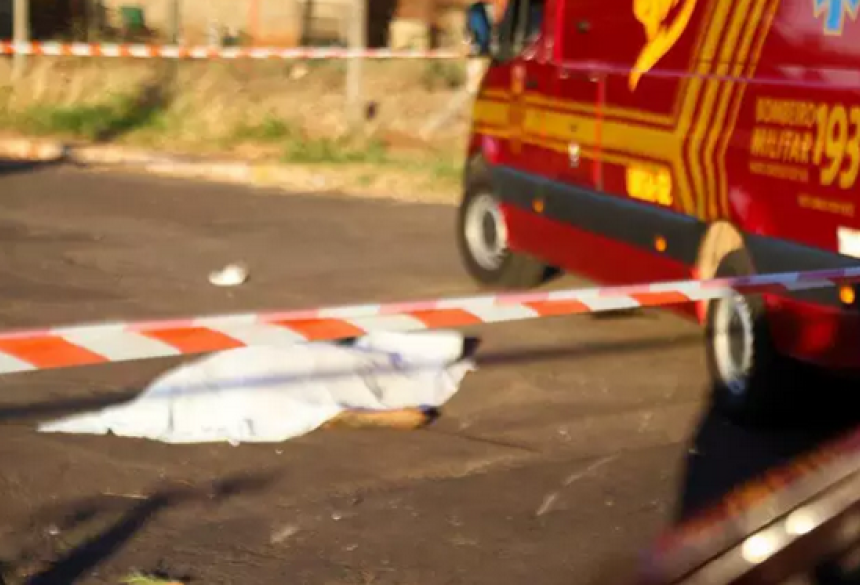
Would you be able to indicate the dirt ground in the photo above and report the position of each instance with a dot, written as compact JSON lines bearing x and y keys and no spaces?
{"x":559,"y":460}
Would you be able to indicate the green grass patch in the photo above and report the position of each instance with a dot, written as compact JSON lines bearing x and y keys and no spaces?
{"x":116,"y":116}
{"x":333,"y":151}
{"x":440,"y":75}
{"x":447,"y":169}
{"x":81,"y":121}
{"x":270,"y":129}
{"x":300,"y":149}
{"x":440,"y":168}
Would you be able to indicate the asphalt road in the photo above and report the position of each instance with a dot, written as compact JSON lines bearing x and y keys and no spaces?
{"x":576,"y":442}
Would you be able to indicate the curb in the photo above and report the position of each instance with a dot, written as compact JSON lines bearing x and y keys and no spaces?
{"x":25,"y":149}
{"x":36,"y":150}
{"x":184,"y":167}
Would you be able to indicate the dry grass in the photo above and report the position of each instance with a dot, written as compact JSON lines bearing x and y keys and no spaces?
{"x":288,"y":112}
{"x":207,"y":104}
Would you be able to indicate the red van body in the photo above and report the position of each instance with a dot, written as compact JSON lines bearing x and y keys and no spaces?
{"x":644,"y":140}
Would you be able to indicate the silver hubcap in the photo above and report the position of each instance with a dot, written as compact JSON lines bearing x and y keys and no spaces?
{"x":733,"y":342}
{"x":486,"y":234}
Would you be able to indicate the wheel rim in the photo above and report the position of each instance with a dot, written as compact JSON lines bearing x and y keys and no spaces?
{"x":733,"y":342}
{"x":486,"y":233}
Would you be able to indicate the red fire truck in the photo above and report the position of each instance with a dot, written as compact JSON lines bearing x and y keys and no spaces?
{"x":643,"y":140}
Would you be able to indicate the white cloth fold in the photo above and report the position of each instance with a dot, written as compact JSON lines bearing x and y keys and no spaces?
{"x":272,"y":394}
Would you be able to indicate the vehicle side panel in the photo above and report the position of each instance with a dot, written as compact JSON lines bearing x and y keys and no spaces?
{"x":745,"y":112}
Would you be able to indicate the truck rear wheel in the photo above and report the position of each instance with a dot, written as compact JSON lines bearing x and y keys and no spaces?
{"x":483,"y":244}
{"x":747,"y":372}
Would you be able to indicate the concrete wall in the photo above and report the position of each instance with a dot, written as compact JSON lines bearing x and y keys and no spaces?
{"x":277,"y":22}
{"x":396,"y":23}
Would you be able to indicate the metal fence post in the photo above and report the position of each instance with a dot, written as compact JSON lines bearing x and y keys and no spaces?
{"x":357,"y":42}
{"x":21,"y":33}
{"x":176,"y":21}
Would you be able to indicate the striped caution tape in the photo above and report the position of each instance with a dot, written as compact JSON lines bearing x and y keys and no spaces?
{"x":200,"y":52}
{"x":62,"y":347}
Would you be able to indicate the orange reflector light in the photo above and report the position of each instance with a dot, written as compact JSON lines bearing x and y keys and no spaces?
{"x":847,"y":295}
{"x":538,"y":205}
{"x":660,"y":243}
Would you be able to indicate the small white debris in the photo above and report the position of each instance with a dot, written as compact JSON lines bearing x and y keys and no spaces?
{"x":547,"y":504}
{"x":284,"y":533}
{"x":336,"y":516}
{"x":52,"y":530}
{"x":574,"y":477}
{"x":298,"y":72}
{"x":231,"y":275}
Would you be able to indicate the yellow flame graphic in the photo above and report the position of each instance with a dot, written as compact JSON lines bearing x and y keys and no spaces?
{"x":661,"y":35}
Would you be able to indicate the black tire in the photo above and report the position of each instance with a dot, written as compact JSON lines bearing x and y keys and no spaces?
{"x":507,"y":269}
{"x":737,"y":334}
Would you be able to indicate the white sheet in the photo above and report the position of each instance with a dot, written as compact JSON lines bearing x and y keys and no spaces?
{"x":272,"y":394}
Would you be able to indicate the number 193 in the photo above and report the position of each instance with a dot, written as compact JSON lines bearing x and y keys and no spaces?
{"x":837,"y":144}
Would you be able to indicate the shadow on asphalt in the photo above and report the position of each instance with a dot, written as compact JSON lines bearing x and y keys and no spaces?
{"x":37,"y":410}
{"x":723,"y":455}
{"x":117,"y":524}
{"x":11,"y":167}
{"x":584,"y":351}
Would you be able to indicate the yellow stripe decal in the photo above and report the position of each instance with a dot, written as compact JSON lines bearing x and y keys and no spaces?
{"x":590,"y":109}
{"x":709,"y":127}
{"x":707,"y":59}
{"x":727,"y":92}
{"x":686,"y":175}
{"x":705,"y":112}
{"x":487,"y":112}
{"x":752,"y":65}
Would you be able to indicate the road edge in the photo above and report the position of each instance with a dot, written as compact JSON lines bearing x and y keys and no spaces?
{"x":256,"y":174}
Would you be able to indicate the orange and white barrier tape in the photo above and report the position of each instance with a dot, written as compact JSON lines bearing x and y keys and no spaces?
{"x":62,"y":347}
{"x":202,"y":52}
